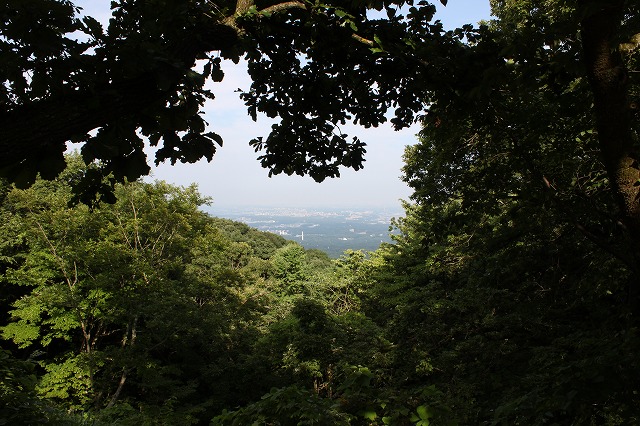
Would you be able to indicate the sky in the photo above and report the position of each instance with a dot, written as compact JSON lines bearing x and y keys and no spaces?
{"x":235,"y":178}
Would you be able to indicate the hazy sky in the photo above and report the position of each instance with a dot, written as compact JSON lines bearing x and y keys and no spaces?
{"x":234,"y":177}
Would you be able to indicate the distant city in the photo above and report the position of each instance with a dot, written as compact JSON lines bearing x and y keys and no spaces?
{"x":330,"y":230}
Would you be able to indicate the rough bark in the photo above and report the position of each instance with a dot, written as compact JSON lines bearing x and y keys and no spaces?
{"x":609,"y":82}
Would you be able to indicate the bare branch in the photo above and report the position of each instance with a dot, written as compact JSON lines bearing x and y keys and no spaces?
{"x":363,"y":40}
{"x":243,"y":6}
{"x":283,"y":6}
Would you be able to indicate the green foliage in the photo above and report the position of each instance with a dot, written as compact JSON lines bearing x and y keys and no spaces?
{"x":289,"y":268}
{"x":132,"y":304}
{"x":511,"y":276}
{"x":510,"y":295}
{"x":357,"y":402}
{"x":19,"y":403}
{"x":79,"y":78}
{"x":149,"y":311}
{"x":286,"y":406}
{"x":68,"y":382}
{"x":263,"y":244}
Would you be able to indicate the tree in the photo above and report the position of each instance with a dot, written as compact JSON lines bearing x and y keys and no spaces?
{"x":493,"y":294}
{"x":289,"y":265}
{"x":603,"y":27}
{"x":590,"y":47}
{"x":138,"y":77}
{"x":20,"y":404}
{"x":512,"y":275}
{"x":263,"y":244}
{"x":90,"y":276}
{"x":138,"y":310}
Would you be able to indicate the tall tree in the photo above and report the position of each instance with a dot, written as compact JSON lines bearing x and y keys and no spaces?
{"x":512,"y":285}
{"x":137,"y":304}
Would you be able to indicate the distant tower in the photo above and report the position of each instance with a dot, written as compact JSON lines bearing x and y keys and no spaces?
{"x":302,"y":236}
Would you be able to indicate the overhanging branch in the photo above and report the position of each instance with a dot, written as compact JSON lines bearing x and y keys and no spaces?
{"x":280,"y":7}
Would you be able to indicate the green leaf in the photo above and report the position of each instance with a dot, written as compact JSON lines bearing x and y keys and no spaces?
{"x":423,"y":412}
{"x":369,"y":415}
{"x":340,"y":13}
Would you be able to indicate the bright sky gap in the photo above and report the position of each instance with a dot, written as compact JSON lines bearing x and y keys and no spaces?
{"x":235,"y":179}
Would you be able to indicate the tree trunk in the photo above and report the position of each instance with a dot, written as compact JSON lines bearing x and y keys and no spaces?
{"x":130,"y":339}
{"x":609,"y":82}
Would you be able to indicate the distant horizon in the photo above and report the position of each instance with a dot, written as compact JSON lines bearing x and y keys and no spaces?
{"x":331,"y":230}
{"x":313,"y":208}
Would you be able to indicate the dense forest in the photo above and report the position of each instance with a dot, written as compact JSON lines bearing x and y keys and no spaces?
{"x":149,"y":311}
{"x":510,"y":294}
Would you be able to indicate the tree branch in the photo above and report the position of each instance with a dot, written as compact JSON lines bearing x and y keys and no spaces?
{"x":363,"y":40}
{"x":283,"y":7}
{"x":594,"y":238}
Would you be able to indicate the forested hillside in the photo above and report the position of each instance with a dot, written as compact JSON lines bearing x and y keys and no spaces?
{"x":150,"y":311}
